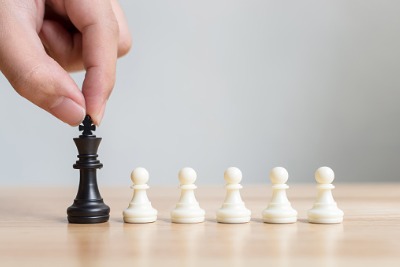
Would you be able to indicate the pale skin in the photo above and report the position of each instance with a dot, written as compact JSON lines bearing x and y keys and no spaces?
{"x":42,"y":40}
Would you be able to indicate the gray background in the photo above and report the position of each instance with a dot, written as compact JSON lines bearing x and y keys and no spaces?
{"x":252,"y":84}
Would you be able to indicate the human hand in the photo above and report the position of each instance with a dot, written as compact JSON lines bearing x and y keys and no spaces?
{"x":40,"y":40}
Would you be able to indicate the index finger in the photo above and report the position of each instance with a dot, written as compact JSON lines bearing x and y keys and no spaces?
{"x":96,"y":21}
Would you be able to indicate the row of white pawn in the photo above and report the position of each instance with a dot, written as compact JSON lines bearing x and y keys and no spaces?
{"x":233,"y":209}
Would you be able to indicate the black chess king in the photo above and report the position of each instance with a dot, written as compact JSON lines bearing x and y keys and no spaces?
{"x":88,"y":205}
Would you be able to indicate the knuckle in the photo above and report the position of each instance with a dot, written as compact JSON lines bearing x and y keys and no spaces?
{"x":124,"y":45}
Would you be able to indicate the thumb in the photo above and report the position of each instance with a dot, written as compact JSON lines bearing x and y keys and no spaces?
{"x":36,"y":76}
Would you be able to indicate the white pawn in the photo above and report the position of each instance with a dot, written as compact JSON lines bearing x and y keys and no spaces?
{"x":187,"y":210}
{"x":140,"y":209}
{"x":233,"y":209}
{"x":279,"y":209}
{"x":325,"y":209}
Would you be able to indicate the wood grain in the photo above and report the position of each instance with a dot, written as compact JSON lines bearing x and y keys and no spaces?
{"x":34,"y":230}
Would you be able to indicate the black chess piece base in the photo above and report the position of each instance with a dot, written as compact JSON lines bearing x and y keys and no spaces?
{"x":88,"y":211}
{"x":88,"y":205}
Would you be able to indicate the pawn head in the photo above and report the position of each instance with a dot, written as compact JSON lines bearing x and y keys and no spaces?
{"x":232,"y":175}
{"x":278,"y":175}
{"x":139,"y":176}
{"x":187,"y":176}
{"x":324,"y":175}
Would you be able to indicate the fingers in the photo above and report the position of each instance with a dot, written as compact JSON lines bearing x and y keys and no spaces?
{"x":100,"y":32}
{"x":56,"y":11}
{"x":32,"y":73}
{"x":96,"y":46}
{"x":125,"y":40}
{"x":102,"y":36}
{"x":62,"y":46}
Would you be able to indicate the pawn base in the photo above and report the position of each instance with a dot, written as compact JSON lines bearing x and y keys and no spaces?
{"x":279,"y":215}
{"x":188,"y":216}
{"x":280,"y":220}
{"x":325,"y":216}
{"x":188,"y":220}
{"x":326,"y":221}
{"x":233,"y":220}
{"x":140,"y":216}
{"x":140,"y":220}
{"x":242,"y":215}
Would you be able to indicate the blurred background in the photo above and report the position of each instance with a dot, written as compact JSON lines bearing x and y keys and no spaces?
{"x":252,"y":84}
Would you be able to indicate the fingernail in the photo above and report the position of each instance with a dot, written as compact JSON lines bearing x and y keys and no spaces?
{"x":100,"y":115}
{"x":68,"y":111}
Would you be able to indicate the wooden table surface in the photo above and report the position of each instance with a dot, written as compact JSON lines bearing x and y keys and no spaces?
{"x":34,"y":230}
